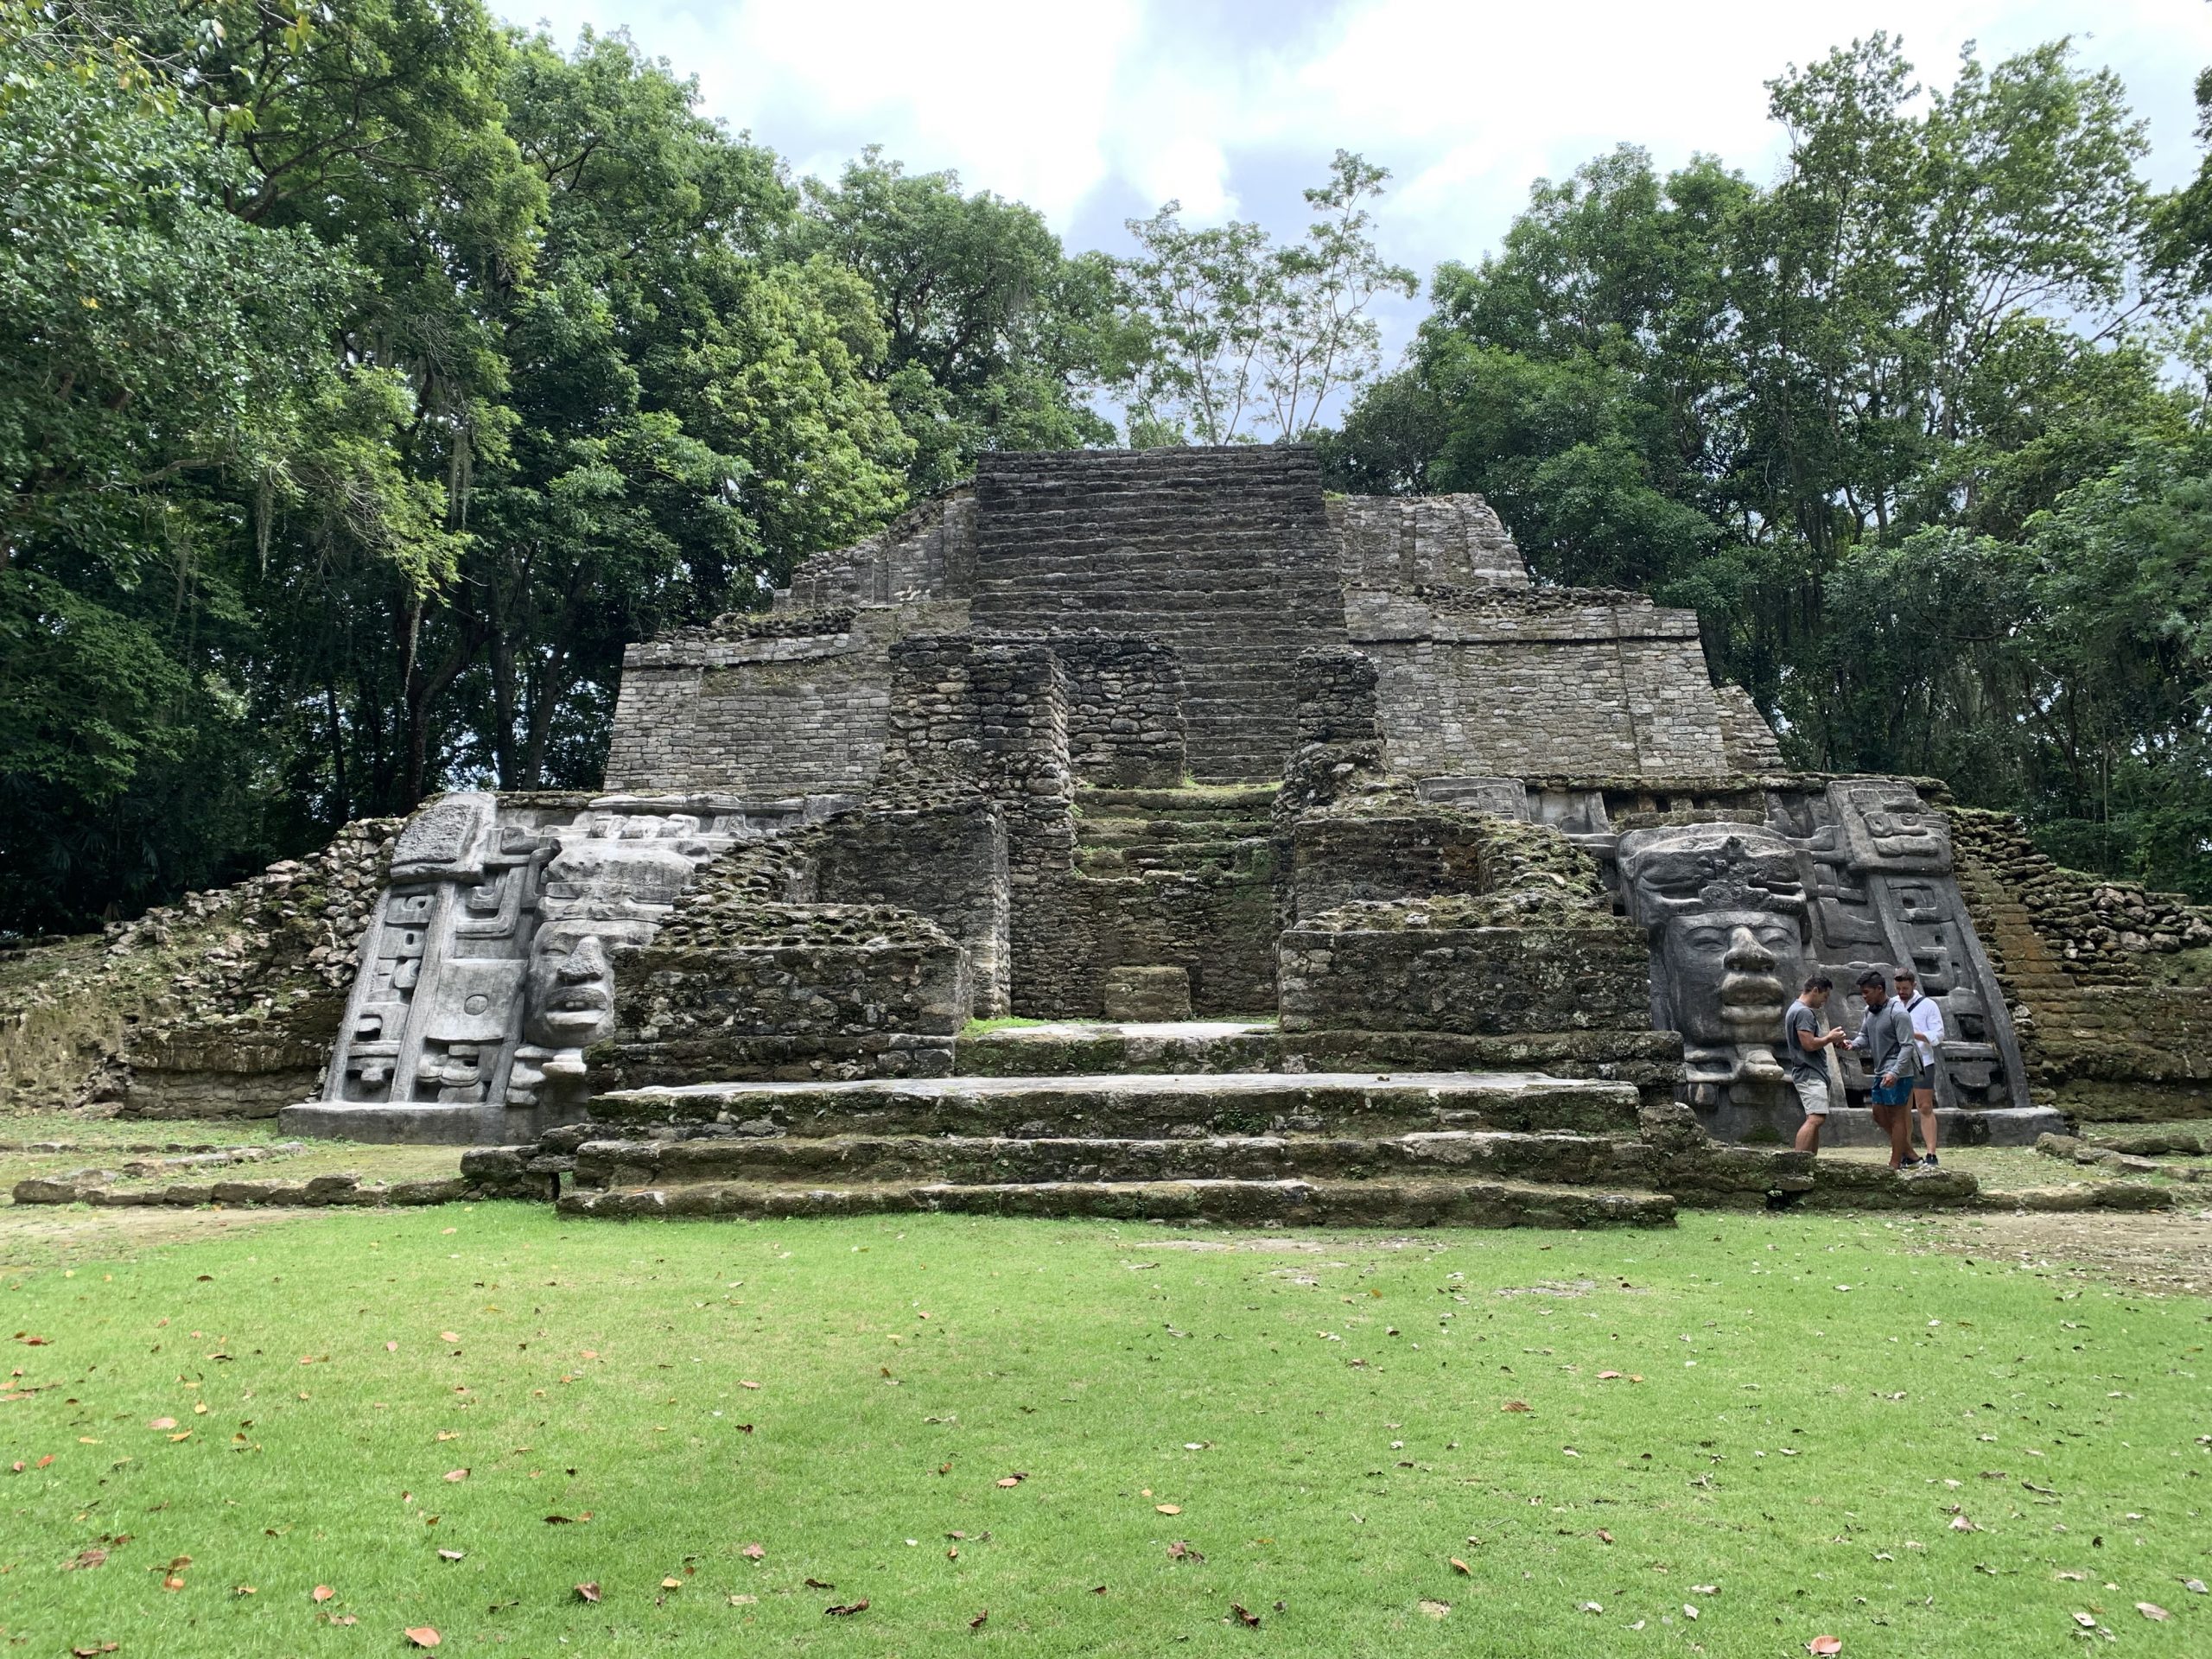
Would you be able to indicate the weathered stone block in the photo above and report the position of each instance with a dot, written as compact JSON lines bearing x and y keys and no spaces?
{"x":1148,"y":993}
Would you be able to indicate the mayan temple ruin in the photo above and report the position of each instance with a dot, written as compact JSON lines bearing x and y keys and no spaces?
{"x":1150,"y":834}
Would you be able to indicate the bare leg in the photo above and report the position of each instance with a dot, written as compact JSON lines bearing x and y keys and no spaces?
{"x":1808,"y":1132}
{"x":1924,"y":1103}
{"x":1896,"y":1122}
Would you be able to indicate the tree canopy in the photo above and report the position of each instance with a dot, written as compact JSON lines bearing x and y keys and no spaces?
{"x":1910,"y":427}
{"x":370,"y":373}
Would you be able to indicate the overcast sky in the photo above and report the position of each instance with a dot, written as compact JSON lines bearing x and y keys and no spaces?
{"x":1096,"y":112}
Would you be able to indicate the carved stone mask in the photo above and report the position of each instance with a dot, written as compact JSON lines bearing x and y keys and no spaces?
{"x":569,"y":993}
{"x":1724,"y":907}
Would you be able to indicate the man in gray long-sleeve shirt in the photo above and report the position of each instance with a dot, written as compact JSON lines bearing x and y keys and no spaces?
{"x":1885,"y":1043}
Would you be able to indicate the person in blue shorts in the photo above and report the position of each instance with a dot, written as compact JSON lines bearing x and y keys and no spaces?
{"x":1885,"y":1044}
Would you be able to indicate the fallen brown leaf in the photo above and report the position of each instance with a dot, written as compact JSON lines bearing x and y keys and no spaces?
{"x":1250,"y":1621}
{"x":588,"y":1592}
{"x":1169,"y":1508}
{"x":92,"y":1653}
{"x":820,"y":1583}
{"x":752,"y":1552}
{"x":1459,"y":1566}
{"x":977,"y":1623}
{"x":456,"y":1474}
{"x":671,"y":1584}
{"x":1605,"y":1537}
{"x":84,"y":1559}
{"x":1515,"y":1405}
{"x":422,"y":1637}
{"x":1181,"y":1551}
{"x":1825,"y":1645}
{"x":2151,"y":1610}
{"x":320,"y":1592}
{"x":847,"y":1610}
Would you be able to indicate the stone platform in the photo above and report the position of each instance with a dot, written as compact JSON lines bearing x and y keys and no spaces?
{"x":1369,"y":1148}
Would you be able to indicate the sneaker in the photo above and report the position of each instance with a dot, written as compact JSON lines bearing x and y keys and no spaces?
{"x":1910,"y":1163}
{"x":1930,"y":1162}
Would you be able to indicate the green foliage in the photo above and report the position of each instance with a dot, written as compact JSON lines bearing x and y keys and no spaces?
{"x":1872,"y":420}
{"x":1221,"y":336}
{"x":991,"y":334}
{"x":373,"y":375}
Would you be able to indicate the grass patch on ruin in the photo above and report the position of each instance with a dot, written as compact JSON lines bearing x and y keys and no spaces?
{"x":1329,"y":1415}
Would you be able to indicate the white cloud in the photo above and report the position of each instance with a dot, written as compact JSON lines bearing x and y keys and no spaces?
{"x":1094,"y":112}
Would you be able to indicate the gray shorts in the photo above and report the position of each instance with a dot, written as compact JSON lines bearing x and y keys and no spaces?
{"x":1812,"y":1093}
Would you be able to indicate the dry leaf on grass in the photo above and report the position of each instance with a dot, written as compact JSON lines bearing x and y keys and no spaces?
{"x":847,"y":1609}
{"x":671,"y":1584}
{"x":85,"y":1559}
{"x":2151,"y":1610}
{"x":1459,"y":1566}
{"x":92,"y":1652}
{"x":977,"y":1623}
{"x":1181,"y":1551}
{"x":451,"y":1554}
{"x":752,"y":1552}
{"x":588,"y":1592}
{"x":1825,"y":1645}
{"x":423,"y":1636}
{"x":320,"y":1592}
{"x":1515,"y":1405}
{"x":1436,"y":1609}
{"x":456,"y":1474}
{"x":1169,"y":1508}
{"x":1249,"y":1620}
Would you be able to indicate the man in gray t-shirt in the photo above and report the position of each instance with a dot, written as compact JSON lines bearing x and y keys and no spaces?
{"x":1805,"y":1045}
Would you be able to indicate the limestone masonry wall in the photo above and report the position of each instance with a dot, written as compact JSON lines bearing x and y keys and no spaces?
{"x":1125,"y":697}
{"x":1224,"y":556}
{"x":1510,"y":683}
{"x":1400,"y":543}
{"x":2106,"y":980}
{"x":927,"y":553}
{"x":786,"y":709}
{"x":994,"y":713}
{"x":805,"y":991}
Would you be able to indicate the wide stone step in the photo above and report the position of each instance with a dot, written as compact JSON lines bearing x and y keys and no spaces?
{"x":1563,"y":1160}
{"x":1282,"y":1203}
{"x":1139,"y":1106}
{"x":1080,"y":1047}
{"x":1146,"y":832}
{"x":1252,"y":856}
{"x":1186,"y":804}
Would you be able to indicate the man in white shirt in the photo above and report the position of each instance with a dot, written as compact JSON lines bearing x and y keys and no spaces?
{"x":1928,"y":1040}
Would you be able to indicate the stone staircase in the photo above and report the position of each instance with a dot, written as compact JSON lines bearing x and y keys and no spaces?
{"x":1240,"y":1149}
{"x":1182,"y":878}
{"x":1136,"y":832}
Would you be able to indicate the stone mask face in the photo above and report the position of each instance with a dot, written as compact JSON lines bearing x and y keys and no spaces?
{"x":1724,"y":907}
{"x":1728,"y":973}
{"x":569,"y":991}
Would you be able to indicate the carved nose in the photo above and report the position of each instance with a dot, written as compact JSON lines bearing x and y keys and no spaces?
{"x":586,"y":961}
{"x":1747,"y":954}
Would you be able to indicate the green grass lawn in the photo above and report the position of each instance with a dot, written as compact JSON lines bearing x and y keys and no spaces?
{"x":1325,"y":1421}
